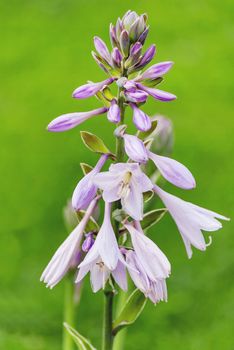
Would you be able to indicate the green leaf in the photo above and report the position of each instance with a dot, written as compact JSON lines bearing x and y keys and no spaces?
{"x":94,"y":143}
{"x":152,"y":217}
{"x":147,"y":195}
{"x":86,"y":168}
{"x":143,"y":135}
{"x":131,"y":311}
{"x":92,"y":225}
{"x":81,"y":342}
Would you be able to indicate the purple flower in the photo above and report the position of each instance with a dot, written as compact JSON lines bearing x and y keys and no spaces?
{"x":190,"y":220}
{"x":154,"y":262}
{"x":157,"y":94}
{"x":147,"y":57}
{"x":140,"y":119}
{"x":171,"y":170}
{"x":104,"y":258}
{"x":88,"y":242}
{"x":114,"y":114}
{"x":86,"y":190}
{"x":71,"y":120}
{"x":102,"y":49}
{"x":136,"y":96}
{"x":116,"y":57}
{"x":91,"y":89}
{"x":68,"y":254}
{"x":156,"y":71}
{"x":127,"y":182}
{"x":154,"y":290}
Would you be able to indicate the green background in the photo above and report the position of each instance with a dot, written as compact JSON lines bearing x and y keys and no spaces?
{"x":45,"y":54}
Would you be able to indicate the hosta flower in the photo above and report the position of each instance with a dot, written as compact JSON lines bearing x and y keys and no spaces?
{"x":190,"y":220}
{"x":171,"y":170}
{"x":154,"y":262}
{"x":86,"y":190}
{"x":141,"y":120}
{"x":91,"y":89}
{"x":162,"y":136}
{"x":71,"y":120}
{"x":113,"y":114}
{"x":155,"y":290}
{"x":104,"y":258}
{"x":68,"y":254}
{"x":125,"y":181}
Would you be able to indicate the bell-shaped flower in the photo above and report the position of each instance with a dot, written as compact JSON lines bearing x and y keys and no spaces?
{"x":71,"y":120}
{"x":91,"y":89}
{"x":154,"y":290}
{"x":157,"y":94}
{"x":127,"y":182}
{"x":104,"y":258}
{"x":140,"y":119}
{"x":190,"y":220}
{"x":86,"y":190}
{"x":153,"y":260}
{"x":68,"y":254}
{"x":171,"y":170}
{"x":113,"y":114}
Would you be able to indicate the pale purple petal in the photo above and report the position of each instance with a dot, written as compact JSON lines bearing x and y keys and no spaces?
{"x":135,"y":148}
{"x":173,"y":171}
{"x":140,"y":119}
{"x":113,"y":114}
{"x":120,"y":276}
{"x":140,"y":278}
{"x":91,"y":89}
{"x":101,"y":48}
{"x":157,"y":94}
{"x":136,"y":96}
{"x":157,"y":70}
{"x":69,"y":121}
{"x":98,"y":276}
{"x":148,"y":56}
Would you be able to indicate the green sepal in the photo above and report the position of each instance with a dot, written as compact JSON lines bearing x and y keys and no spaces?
{"x":94,"y":143}
{"x":81,"y":342}
{"x":147,"y":195}
{"x":152,"y":217}
{"x":101,"y":98}
{"x":130,"y":312}
{"x":144,"y":134}
{"x":92,"y":225}
{"x":86,"y":168}
{"x":152,"y":83}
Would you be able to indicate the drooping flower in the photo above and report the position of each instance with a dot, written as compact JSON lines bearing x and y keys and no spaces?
{"x":68,"y":254}
{"x":154,"y":290}
{"x":153,"y":260}
{"x":91,"y":89}
{"x":190,"y":220}
{"x":127,"y":182}
{"x":171,"y":170}
{"x":71,"y":120}
{"x":104,"y":258}
{"x":86,"y":190}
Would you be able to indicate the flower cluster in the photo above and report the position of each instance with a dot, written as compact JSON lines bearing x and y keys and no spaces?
{"x":120,"y":246}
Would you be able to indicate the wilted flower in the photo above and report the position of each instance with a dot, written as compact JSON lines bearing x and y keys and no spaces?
{"x":127,"y":182}
{"x":190,"y":220}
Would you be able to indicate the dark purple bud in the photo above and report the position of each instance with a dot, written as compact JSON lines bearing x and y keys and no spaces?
{"x":148,"y":56}
{"x":136,"y":96}
{"x":143,"y":36}
{"x":134,"y":55}
{"x":91,"y":89}
{"x":135,"y":48}
{"x":141,"y":120}
{"x":113,"y":37}
{"x":157,"y":94}
{"x":157,"y":70}
{"x":101,"y":48}
{"x":124,"y":42}
{"x":116,"y":57}
{"x":88,"y":242}
{"x":114,"y":114}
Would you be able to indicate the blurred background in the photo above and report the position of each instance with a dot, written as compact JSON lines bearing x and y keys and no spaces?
{"x":45,"y":55}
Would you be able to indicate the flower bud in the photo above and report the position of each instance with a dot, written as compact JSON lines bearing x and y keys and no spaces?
{"x":124,"y":42}
{"x":129,"y":18}
{"x":113,"y":114}
{"x":134,"y":55}
{"x":158,"y":94}
{"x":116,"y":57}
{"x":91,"y":89}
{"x":143,"y":36}
{"x":140,"y":119}
{"x":135,"y":149}
{"x":101,"y":48}
{"x":136,"y":96}
{"x":88,"y":242}
{"x":147,"y":57}
{"x":113,"y":37}
{"x":136,"y":29}
{"x":157,"y":70}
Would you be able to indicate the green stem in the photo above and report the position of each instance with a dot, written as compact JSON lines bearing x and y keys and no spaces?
{"x":107,"y":320}
{"x":69,"y":313}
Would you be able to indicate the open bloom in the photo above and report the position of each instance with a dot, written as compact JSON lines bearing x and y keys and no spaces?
{"x":190,"y":220}
{"x":155,"y":290}
{"x":68,"y":254}
{"x":153,"y":260}
{"x":104,"y":258}
{"x":71,"y":120}
{"x":127,"y":182}
{"x":86,"y":190}
{"x":171,"y":170}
